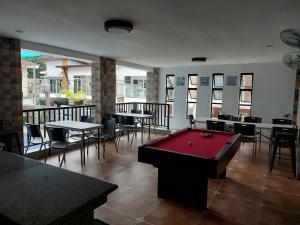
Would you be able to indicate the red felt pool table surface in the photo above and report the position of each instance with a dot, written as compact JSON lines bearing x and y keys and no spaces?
{"x":207,"y":147}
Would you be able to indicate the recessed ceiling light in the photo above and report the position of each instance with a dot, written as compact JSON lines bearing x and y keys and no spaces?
{"x":20,"y":31}
{"x":269,"y":45}
{"x":118,"y":26}
{"x":199,"y":59}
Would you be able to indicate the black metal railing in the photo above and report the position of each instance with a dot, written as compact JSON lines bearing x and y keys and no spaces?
{"x":162,"y":111}
{"x":43,"y":115}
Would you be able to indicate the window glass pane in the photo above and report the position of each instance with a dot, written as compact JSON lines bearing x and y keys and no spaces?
{"x":192,"y":95}
{"x":218,"y":81}
{"x":193,"y":80}
{"x":245,"y":110}
{"x":216,"y":110}
{"x":171,"y":104}
{"x":246,"y":81}
{"x":170,"y":94}
{"x":191,"y":110}
{"x":127,"y":79}
{"x":245,"y":97}
{"x":217,"y":96}
{"x":170,"y":81}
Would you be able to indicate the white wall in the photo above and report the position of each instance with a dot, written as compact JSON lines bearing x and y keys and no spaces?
{"x":52,"y":70}
{"x":273,"y":90}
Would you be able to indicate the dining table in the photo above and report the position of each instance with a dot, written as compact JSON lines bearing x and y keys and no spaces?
{"x":81,"y":127}
{"x":34,"y":193}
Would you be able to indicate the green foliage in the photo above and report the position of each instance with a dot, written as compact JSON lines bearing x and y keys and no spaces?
{"x":79,"y":95}
{"x":41,"y":67}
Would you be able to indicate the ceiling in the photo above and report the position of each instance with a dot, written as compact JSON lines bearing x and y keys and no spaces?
{"x":166,"y":32}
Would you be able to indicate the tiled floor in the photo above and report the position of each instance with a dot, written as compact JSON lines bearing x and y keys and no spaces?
{"x":248,"y":195}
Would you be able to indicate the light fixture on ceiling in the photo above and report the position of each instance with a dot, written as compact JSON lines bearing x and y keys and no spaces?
{"x":199,"y":59}
{"x":269,"y":45}
{"x":118,"y":26}
{"x":20,"y":31}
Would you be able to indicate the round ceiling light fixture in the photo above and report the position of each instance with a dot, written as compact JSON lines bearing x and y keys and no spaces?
{"x":118,"y":26}
{"x":199,"y":59}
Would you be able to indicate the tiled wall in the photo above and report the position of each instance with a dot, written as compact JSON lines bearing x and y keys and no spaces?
{"x":104,"y":86}
{"x":11,"y":83}
{"x":152,"y":86}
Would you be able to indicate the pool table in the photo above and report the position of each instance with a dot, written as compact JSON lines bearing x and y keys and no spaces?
{"x":186,"y":159}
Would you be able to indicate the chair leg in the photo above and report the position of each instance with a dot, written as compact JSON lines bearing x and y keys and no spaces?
{"x":293,"y":156}
{"x":103,"y":145}
{"x":64,"y":157}
{"x":279,"y":153}
{"x":273,"y":158}
{"x":47,"y":154}
{"x":38,"y":153}
{"x":26,"y":148}
{"x":131,"y":140}
{"x":116,"y":145}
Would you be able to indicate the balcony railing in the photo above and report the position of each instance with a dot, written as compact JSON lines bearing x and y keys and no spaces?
{"x":43,"y":115}
{"x":162,"y":111}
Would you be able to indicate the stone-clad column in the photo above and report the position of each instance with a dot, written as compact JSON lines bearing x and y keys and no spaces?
{"x":96,"y":89}
{"x":104,"y":86}
{"x":152,"y":86}
{"x":11,"y":84}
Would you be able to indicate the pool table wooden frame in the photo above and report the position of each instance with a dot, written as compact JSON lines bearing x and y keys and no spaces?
{"x":184,"y":177}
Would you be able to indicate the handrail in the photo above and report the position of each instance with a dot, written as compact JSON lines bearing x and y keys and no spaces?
{"x":161,"y":110}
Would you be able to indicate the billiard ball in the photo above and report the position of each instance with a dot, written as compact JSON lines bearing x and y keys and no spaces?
{"x":190,"y":142}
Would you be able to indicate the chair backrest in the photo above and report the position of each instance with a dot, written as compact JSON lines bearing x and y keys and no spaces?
{"x":282,"y":121}
{"x":136,"y":111}
{"x":148,"y":112}
{"x":33,"y":130}
{"x":87,"y":119}
{"x":225,"y":117}
{"x":56,"y":134}
{"x":292,"y":131}
{"x":252,"y":119}
{"x":244,"y":129}
{"x":109,"y":125}
{"x":215,"y":125}
{"x":128,"y":120}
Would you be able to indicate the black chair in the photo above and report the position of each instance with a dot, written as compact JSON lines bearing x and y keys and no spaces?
{"x":283,"y":138}
{"x":152,"y":120}
{"x":225,"y":117}
{"x":136,"y":111}
{"x":248,"y":134}
{"x":108,"y":132}
{"x":129,"y":125}
{"x":192,"y":121}
{"x":215,"y":125}
{"x":34,"y":137}
{"x":282,"y":121}
{"x":87,"y":119}
{"x":254,"y":119}
{"x":58,"y":141}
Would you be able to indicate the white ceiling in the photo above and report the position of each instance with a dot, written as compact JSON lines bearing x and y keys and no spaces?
{"x":166,"y":32}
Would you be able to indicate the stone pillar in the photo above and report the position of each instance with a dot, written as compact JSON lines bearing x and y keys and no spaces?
{"x":152,"y":86}
{"x":96,"y":89}
{"x":104,"y":86}
{"x":11,"y":84}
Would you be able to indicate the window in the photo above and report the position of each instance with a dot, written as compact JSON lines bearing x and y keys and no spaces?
{"x":135,"y":88}
{"x":217,"y":94}
{"x":79,"y":83}
{"x":170,"y":81}
{"x":54,"y":85}
{"x":192,"y":94}
{"x":246,"y":94}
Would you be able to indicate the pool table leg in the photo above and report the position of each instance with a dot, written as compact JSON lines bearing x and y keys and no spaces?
{"x":183,"y":185}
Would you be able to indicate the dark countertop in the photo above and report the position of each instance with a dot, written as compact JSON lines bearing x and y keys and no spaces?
{"x":32,"y":193}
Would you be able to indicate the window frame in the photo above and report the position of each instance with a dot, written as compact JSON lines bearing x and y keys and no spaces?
{"x":191,"y":89}
{"x":245,"y":89}
{"x":215,"y":88}
{"x":171,"y":102}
